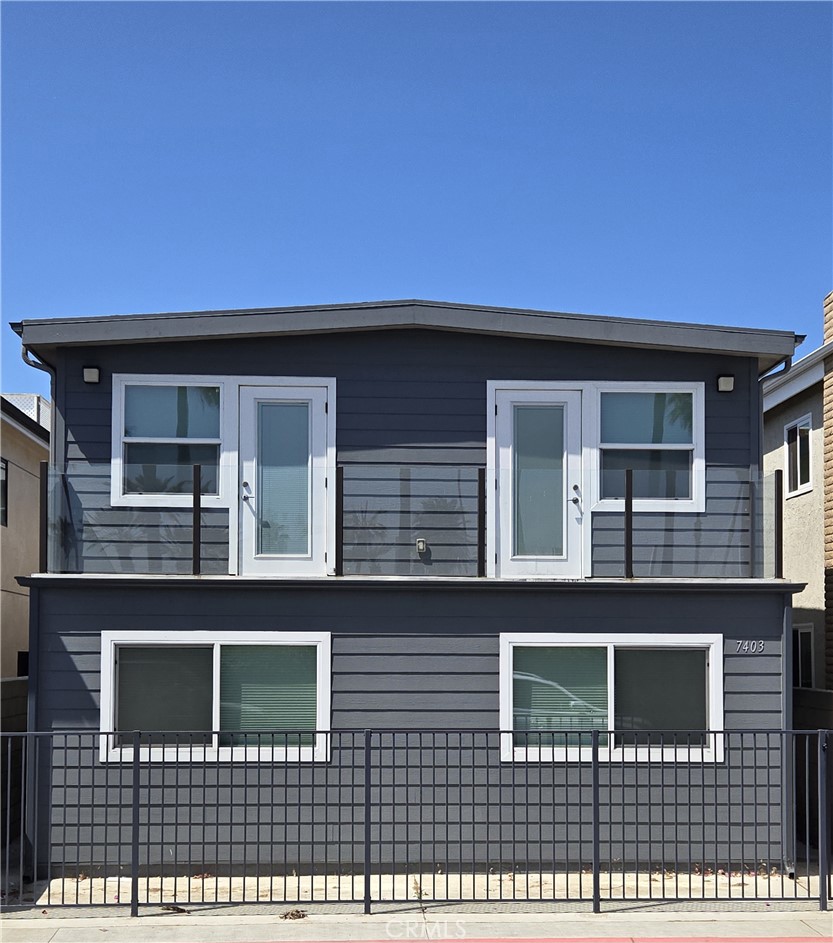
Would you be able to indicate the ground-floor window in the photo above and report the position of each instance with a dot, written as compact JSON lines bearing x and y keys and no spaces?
{"x":193,"y":694}
{"x":635,"y":690}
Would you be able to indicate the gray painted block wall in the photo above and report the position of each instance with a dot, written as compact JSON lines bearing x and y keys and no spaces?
{"x":407,"y":398}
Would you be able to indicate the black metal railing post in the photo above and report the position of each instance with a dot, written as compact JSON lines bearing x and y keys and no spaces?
{"x":824,"y":837}
{"x":752,"y":528}
{"x":628,"y":523}
{"x":481,"y":522}
{"x":339,"y":547}
{"x":134,"y":829}
{"x":778,"y":525}
{"x":43,"y":544}
{"x":196,"y":524}
{"x":367,"y":835}
{"x":597,"y":888}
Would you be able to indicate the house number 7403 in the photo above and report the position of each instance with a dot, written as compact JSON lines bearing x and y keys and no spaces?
{"x":750,"y":648}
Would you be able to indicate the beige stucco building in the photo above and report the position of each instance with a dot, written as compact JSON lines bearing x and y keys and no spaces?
{"x":24,"y":443}
{"x":798,"y":439}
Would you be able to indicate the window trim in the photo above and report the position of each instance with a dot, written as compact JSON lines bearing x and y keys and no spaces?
{"x":808,"y":486}
{"x":111,"y":640}
{"x":183,"y":500}
{"x":711,"y":643}
{"x":696,"y":504}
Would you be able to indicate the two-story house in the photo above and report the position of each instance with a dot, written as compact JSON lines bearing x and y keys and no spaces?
{"x":411,"y":516}
{"x":798,"y":438}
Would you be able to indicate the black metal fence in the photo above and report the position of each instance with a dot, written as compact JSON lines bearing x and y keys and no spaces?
{"x":416,"y":816}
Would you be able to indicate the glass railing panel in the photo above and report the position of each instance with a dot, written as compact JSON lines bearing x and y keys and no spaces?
{"x":410,"y":520}
{"x":88,"y":534}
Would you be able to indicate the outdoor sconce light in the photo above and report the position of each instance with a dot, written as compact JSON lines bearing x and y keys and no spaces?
{"x":91,"y":374}
{"x":725,"y":384}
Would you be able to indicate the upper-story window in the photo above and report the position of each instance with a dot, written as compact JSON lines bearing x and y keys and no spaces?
{"x":162,"y":429}
{"x":657,"y":431}
{"x":797,"y":445}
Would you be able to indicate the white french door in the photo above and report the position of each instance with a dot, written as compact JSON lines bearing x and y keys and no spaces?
{"x":539,"y":484}
{"x":283,"y":478}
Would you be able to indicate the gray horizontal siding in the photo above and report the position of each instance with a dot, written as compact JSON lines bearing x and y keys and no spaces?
{"x":403,"y":658}
{"x":412,"y":661}
{"x":410,"y":397}
{"x":722,"y":541}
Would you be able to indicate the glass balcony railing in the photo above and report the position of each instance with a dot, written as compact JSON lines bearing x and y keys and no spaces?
{"x":426,"y":520}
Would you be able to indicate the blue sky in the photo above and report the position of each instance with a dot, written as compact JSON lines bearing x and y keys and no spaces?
{"x":661,"y":160}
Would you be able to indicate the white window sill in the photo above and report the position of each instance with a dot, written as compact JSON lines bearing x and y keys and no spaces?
{"x":319,"y":753}
{"x":712,"y":753}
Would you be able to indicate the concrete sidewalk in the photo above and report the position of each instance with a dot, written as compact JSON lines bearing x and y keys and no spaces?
{"x":155,"y":926}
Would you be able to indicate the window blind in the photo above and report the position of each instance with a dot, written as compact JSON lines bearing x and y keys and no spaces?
{"x":267,"y":688}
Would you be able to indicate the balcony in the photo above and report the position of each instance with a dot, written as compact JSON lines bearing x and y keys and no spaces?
{"x":418,"y":521}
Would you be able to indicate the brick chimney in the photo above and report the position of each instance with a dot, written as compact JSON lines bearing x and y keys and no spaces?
{"x":827,"y":421}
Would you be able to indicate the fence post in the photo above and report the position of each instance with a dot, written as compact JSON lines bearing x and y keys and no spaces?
{"x":628,"y":523}
{"x":367,"y":771}
{"x":196,"y":523}
{"x":597,"y":891}
{"x":824,"y":838}
{"x":134,"y":836}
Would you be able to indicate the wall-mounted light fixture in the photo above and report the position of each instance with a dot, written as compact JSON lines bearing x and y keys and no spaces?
{"x":725,"y":384}
{"x":91,"y":374}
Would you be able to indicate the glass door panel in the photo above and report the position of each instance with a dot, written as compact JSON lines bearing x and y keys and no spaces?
{"x":538,"y":481}
{"x":283,"y":478}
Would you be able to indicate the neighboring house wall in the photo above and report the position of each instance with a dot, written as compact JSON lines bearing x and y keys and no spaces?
{"x":23,"y":445}
{"x":803,"y":515}
{"x":828,"y":495}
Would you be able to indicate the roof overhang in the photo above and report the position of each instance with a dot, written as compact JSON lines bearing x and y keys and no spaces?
{"x":800,"y":377}
{"x":769,"y":347}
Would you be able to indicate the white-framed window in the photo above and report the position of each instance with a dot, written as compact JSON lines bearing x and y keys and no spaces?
{"x":214,"y":695}
{"x":658,"y":431}
{"x":803,"y":655}
{"x":797,"y":456}
{"x":556,"y":688}
{"x":162,"y":427}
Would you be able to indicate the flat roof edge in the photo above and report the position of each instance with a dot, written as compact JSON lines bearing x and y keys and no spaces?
{"x":115,"y":329}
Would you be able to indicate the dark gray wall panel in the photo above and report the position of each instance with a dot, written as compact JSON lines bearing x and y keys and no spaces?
{"x":417,"y":396}
{"x":404,"y":657}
